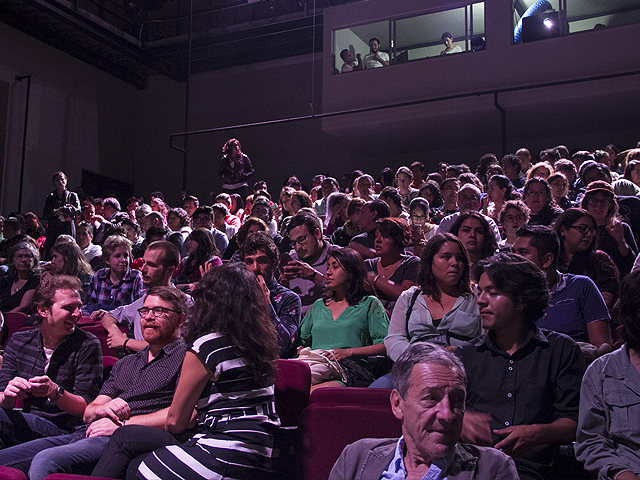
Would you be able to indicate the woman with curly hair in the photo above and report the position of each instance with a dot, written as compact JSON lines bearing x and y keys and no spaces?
{"x":228,"y":374}
{"x":235,"y":169}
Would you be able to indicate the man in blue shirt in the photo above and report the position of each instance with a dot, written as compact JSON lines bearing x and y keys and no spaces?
{"x":576,"y":307}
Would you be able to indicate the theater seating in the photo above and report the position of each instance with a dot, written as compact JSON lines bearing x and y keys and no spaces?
{"x":12,"y":323}
{"x":339,"y":417}
{"x":8,"y":473}
{"x":293,"y":383}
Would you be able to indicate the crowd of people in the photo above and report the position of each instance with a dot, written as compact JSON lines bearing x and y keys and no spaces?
{"x":525,"y":270}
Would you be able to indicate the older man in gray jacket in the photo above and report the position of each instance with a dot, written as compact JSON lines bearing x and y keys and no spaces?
{"x":428,"y":399}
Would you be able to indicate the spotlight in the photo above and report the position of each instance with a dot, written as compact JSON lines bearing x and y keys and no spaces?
{"x":548,"y":23}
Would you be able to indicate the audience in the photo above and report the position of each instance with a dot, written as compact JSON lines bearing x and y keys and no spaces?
{"x":578,"y":252}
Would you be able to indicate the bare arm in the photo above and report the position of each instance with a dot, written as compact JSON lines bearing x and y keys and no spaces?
{"x":363,"y":250}
{"x":340,"y":353}
{"x":391,"y":289}
{"x":600,"y":336}
{"x":117,"y":338}
{"x":27,"y":298}
{"x":193,"y":378}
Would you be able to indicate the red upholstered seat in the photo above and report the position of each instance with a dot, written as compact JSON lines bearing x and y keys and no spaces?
{"x":329,"y":427}
{"x":8,"y":473}
{"x":12,"y":323}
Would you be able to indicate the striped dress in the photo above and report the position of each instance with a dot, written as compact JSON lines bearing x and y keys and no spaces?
{"x":236,"y":418}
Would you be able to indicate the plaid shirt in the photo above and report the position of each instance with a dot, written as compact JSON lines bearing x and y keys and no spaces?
{"x":104,"y":293}
{"x":285,"y":316}
{"x":76,"y":365}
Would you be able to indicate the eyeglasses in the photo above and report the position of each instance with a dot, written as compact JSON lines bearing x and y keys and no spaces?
{"x":201,"y":219}
{"x":157,"y":311}
{"x":603,"y":202}
{"x":300,"y":240}
{"x":511,"y":218}
{"x":419,"y":217}
{"x":583,"y":229}
{"x":20,"y":256}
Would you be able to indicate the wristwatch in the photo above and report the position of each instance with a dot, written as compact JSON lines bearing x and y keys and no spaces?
{"x":59,"y":392}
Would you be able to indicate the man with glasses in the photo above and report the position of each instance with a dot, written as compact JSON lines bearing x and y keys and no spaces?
{"x":203,"y":218}
{"x":139,"y":391}
{"x":576,"y":307}
{"x":304,"y":271}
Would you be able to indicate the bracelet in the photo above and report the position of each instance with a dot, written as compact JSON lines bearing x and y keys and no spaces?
{"x":615,"y":477}
{"x":124,"y":344}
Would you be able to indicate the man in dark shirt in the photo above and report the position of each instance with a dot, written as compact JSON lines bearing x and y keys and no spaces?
{"x":523,"y":382}
{"x":56,"y":369}
{"x":260,"y":255}
{"x":371,"y":212}
{"x":138,"y":391}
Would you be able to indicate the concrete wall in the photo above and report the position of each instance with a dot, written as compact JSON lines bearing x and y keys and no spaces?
{"x":79,"y":117}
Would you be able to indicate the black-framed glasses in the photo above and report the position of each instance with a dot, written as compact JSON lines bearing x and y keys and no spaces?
{"x":157,"y":311}
{"x":603,"y":202}
{"x":300,"y":240}
{"x":583,"y":229}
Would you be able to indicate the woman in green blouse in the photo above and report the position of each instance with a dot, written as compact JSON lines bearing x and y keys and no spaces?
{"x":348,"y":323}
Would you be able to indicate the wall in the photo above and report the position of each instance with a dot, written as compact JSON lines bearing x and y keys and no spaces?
{"x":79,"y":117}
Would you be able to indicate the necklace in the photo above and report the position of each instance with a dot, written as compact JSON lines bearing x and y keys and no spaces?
{"x":386,"y":272}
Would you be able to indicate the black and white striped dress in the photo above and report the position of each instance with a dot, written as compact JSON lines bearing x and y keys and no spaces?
{"x":236,"y":415}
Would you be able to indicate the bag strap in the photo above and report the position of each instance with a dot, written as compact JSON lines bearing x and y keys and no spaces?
{"x":414,"y":297}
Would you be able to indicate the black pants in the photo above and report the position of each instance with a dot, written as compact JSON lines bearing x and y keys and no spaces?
{"x":130,"y":444}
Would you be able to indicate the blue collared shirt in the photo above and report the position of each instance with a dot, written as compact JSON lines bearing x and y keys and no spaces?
{"x":397,"y":471}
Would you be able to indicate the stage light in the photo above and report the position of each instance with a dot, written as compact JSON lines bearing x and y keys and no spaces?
{"x":548,"y":23}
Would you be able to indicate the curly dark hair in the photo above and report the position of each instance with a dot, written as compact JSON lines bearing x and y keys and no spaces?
{"x":229,"y":301}
{"x":358,"y":284}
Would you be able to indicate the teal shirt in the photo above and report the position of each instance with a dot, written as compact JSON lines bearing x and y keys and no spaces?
{"x":359,"y":325}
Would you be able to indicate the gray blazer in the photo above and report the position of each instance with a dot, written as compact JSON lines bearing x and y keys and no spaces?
{"x":366,"y":459}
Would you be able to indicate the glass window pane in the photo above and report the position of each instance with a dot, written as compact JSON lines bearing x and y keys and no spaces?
{"x":591,"y":14}
{"x":356,"y":41}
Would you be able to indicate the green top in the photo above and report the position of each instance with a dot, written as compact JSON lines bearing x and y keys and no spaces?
{"x":359,"y":325}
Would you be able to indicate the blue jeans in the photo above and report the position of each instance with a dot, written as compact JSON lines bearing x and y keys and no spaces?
{"x":383,"y":382}
{"x":67,"y":454}
{"x":17,"y":427}
{"x":20,"y":456}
